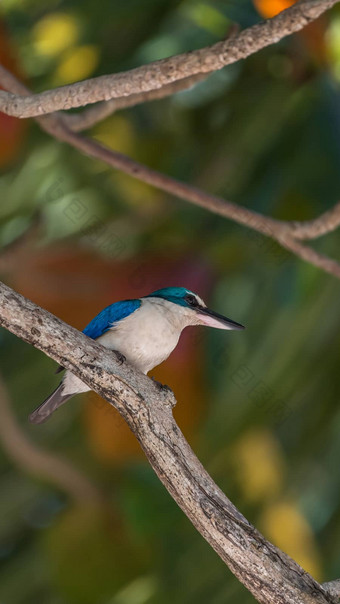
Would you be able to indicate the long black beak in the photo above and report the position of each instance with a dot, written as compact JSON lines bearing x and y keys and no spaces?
{"x":213,"y":319}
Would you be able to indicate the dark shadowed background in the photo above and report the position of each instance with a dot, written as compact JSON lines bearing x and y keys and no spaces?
{"x":260,"y":407}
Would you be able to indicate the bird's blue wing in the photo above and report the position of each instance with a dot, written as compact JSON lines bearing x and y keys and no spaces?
{"x":109,"y":316}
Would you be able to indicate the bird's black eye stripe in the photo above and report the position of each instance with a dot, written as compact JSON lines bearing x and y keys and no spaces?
{"x":191,"y":300}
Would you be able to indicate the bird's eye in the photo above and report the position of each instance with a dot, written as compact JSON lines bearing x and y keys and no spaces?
{"x":191,"y":300}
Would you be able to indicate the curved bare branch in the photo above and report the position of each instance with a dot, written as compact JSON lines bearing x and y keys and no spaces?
{"x":166,"y":71}
{"x":311,"y":229}
{"x":286,"y":233}
{"x":281,"y":231}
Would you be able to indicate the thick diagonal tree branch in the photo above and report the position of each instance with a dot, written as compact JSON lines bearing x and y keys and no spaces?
{"x":286,"y":233}
{"x":166,"y":71}
{"x":333,"y":587}
{"x":270,"y":575}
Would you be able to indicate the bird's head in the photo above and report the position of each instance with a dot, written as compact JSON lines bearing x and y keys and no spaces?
{"x":192,"y":307}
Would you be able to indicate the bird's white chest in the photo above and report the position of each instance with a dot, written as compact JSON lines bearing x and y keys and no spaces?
{"x":147,"y":337}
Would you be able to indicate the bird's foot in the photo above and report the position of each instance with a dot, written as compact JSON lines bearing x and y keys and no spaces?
{"x":161,"y":386}
{"x":120,"y":358}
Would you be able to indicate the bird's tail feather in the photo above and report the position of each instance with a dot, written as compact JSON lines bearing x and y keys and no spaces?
{"x":55,"y":400}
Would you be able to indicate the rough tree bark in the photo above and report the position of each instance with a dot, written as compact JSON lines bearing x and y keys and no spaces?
{"x":166,"y":71}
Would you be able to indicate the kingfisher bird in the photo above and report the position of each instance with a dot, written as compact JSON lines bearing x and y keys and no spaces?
{"x":144,"y":331}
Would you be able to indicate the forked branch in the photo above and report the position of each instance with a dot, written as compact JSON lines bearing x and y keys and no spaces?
{"x":286,"y":233}
{"x":65,"y":127}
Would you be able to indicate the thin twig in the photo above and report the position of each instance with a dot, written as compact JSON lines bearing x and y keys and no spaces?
{"x":269,"y":574}
{"x":311,"y":229}
{"x":166,"y":71}
{"x":39,"y":462}
{"x":310,"y":255}
{"x":276,"y":229}
{"x":91,"y":116}
{"x":284,"y":232}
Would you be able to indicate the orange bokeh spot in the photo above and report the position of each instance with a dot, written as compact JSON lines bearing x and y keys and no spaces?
{"x":270,"y":8}
{"x":313,"y":35}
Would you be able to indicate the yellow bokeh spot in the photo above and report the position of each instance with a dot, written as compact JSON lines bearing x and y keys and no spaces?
{"x":284,"y":525}
{"x":208,"y":17}
{"x":333,"y":45}
{"x":116,"y":132}
{"x":77,"y":64}
{"x":55,"y":33}
{"x":136,"y":193}
{"x":259,"y":465}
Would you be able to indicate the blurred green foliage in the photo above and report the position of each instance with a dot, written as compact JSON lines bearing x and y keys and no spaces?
{"x":260,"y":408}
